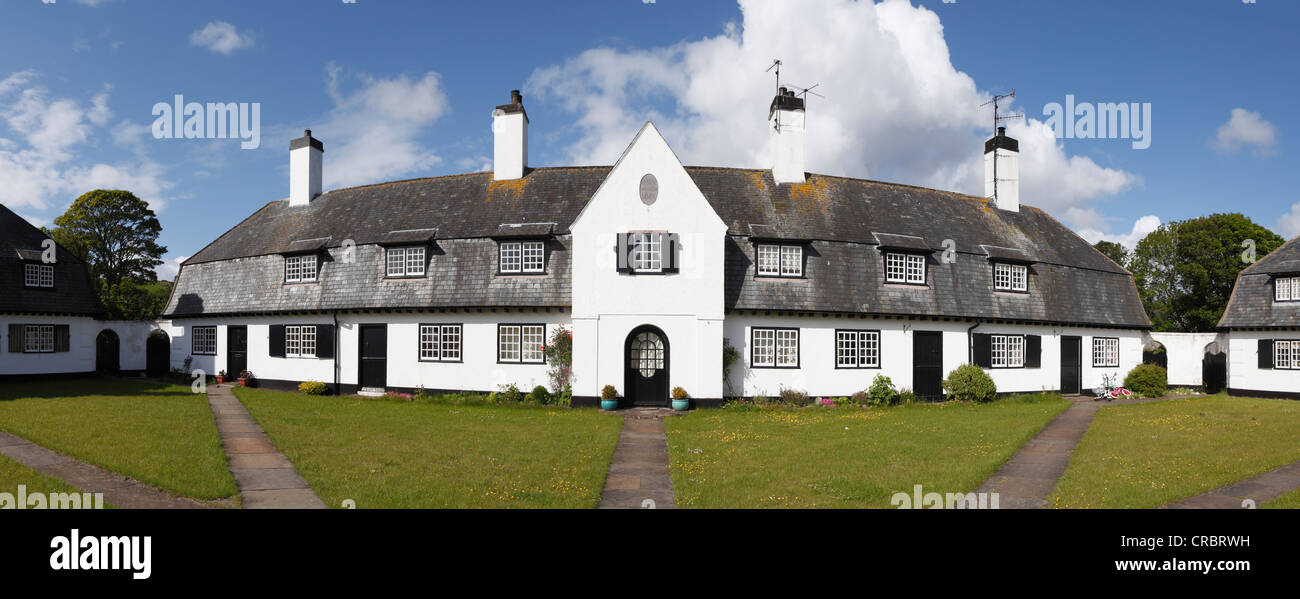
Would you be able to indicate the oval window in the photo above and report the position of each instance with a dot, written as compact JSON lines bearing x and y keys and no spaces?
{"x":649,"y":189}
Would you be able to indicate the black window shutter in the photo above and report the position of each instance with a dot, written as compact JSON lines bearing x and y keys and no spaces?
{"x":622,"y":250}
{"x":325,"y":341}
{"x":16,"y":338}
{"x":1033,"y":351}
{"x":669,"y":243}
{"x":62,"y":338}
{"x":277,"y":341}
{"x":1265,"y":353}
{"x":983,"y":350}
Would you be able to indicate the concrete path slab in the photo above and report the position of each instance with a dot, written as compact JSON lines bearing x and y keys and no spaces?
{"x":266,"y":479}
{"x":1258,"y":490}
{"x":638,"y":475}
{"x":118,"y":490}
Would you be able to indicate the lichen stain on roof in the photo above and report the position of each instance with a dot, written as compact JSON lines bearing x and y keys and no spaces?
{"x":510,"y":189}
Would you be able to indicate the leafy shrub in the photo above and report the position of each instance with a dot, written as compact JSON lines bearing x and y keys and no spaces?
{"x":906,"y":396}
{"x":1147,"y":380}
{"x":540,"y":395}
{"x":510,"y":394}
{"x":881,"y":392}
{"x":794,"y":397}
{"x":609,"y":392}
{"x":679,"y":393}
{"x":969,"y":382}
{"x":762,"y":400}
{"x":861,"y":398}
{"x":313,"y":388}
{"x":559,"y":354}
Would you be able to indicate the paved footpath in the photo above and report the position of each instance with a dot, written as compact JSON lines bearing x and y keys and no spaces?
{"x":118,"y":490}
{"x":265,"y":477}
{"x":1027,"y":479}
{"x":1260,"y":489}
{"x":638,"y":475}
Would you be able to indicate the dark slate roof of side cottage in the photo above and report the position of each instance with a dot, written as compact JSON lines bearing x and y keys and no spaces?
{"x":842,"y":218}
{"x":1252,"y":302}
{"x":72,"y":292}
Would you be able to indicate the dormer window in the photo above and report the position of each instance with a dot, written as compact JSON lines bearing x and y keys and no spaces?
{"x":904,"y":268}
{"x":300,"y":269}
{"x":405,"y":261}
{"x":1010,"y":277}
{"x":1286,"y":289}
{"x":527,"y":257}
{"x":779,"y":260}
{"x":38,"y":275}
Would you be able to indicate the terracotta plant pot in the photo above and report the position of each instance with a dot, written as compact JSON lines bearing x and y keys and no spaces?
{"x":244,"y":382}
{"x":220,"y":379}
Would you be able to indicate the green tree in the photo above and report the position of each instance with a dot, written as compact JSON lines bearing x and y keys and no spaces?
{"x":1185,"y":270}
{"x":1114,"y":251}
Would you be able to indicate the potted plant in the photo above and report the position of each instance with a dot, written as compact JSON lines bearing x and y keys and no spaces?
{"x":221,"y":377}
{"x":681,"y":400}
{"x":609,"y":398}
{"x":246,"y":378}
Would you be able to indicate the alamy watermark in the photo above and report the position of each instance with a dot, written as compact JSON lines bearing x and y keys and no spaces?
{"x":214,"y":120}
{"x":1105,"y":120}
{"x":37,"y":500}
{"x":919,"y":499}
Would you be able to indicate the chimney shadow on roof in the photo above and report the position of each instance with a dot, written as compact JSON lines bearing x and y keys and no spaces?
{"x":188,"y":304}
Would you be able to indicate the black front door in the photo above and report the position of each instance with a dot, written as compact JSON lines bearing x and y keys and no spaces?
{"x":107,"y":352}
{"x":158,"y":353}
{"x":1071,"y":365}
{"x":927,"y":365}
{"x":645,"y":360}
{"x":374,"y":356}
{"x":236,"y":350}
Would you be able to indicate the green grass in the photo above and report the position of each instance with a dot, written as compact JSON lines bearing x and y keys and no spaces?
{"x":159,"y":434}
{"x":845,"y":457}
{"x":1147,"y":455}
{"x":13,"y":474}
{"x":393,"y":454}
{"x":1290,"y":501}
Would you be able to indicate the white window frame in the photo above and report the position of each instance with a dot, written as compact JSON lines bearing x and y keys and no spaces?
{"x":204,"y":341}
{"x":1007,"y":351}
{"x":38,"y":339}
{"x":1286,"y":289}
{"x":38,"y":275}
{"x":521,"y":343}
{"x":534,"y":257}
{"x":522,"y":257}
{"x":857,"y":348}
{"x":300,"y":341}
{"x":300,"y":268}
{"x":1105,"y":352}
{"x":1286,"y":354}
{"x":902,"y":267}
{"x":1010,"y":277}
{"x":440,"y":342}
{"x":779,"y":260}
{"x":407,"y":261}
{"x":647,"y":252}
{"x":774,"y":347}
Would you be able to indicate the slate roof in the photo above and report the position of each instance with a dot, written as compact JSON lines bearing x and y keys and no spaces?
{"x":1252,"y":305}
{"x":72,"y":293}
{"x":844,"y":220}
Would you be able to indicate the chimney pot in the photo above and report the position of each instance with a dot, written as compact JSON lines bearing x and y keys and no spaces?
{"x":516,"y":97}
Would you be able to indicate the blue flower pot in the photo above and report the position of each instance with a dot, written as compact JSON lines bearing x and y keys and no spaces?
{"x":681,"y":404}
{"x":609,"y":404}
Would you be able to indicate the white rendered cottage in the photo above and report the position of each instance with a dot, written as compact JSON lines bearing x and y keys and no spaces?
{"x":1262,"y":326}
{"x":821,"y":283}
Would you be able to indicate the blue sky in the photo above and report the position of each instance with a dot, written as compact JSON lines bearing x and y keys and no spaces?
{"x":404,"y":89}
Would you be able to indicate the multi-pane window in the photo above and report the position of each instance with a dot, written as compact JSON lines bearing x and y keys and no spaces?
{"x":521,"y":343}
{"x":857,"y":349}
{"x":1105,"y":352}
{"x":300,"y":341}
{"x":38,"y":338}
{"x":780,"y":260}
{"x":1008,"y":351}
{"x":1010,"y":277}
{"x":300,"y":269}
{"x":405,"y":262}
{"x":38,"y":275}
{"x":205,"y":341}
{"x":904,"y":268}
{"x":647,"y":252}
{"x":440,"y":342}
{"x":1286,"y":354}
{"x":774,"y":348}
{"x":523,"y":257}
{"x":1286,"y":289}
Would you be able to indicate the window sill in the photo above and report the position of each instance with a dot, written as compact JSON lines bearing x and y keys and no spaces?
{"x":521,"y":274}
{"x":432,"y":361}
{"x":781,"y":277}
{"x":907,"y":285}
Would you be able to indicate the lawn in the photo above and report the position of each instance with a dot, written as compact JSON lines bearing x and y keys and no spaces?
{"x":159,"y":434}
{"x":845,"y":457}
{"x":13,"y":474}
{"x":1147,"y":455}
{"x":394,"y":454}
{"x":1290,"y":501}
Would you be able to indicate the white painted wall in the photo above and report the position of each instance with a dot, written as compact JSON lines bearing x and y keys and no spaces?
{"x":1184,"y":352}
{"x":82,"y":332}
{"x":787,"y":145}
{"x":510,"y":145}
{"x":1008,"y":184}
{"x":305,"y":175}
{"x":1244,"y":373}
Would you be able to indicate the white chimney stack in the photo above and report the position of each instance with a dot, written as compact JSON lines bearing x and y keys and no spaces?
{"x":785,"y":123}
{"x":510,"y":139}
{"x":305,"y":154}
{"x":1002,"y":176}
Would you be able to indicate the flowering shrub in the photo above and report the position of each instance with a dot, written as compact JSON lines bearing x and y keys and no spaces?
{"x":559,"y":354}
{"x":794,"y":397}
{"x":310,"y":387}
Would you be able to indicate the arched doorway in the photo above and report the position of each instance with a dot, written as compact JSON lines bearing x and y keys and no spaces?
{"x":645,"y":364}
{"x":1214,"y":368}
{"x":108,"y":352}
{"x":158,"y":352}
{"x":1154,"y":352}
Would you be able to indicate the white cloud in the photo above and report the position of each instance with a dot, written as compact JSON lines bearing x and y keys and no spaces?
{"x":1288,"y":226}
{"x":168,"y":269}
{"x":371,"y":133}
{"x":1141,"y":228}
{"x":1246,"y":129}
{"x":895,"y":108}
{"x":221,"y":37}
